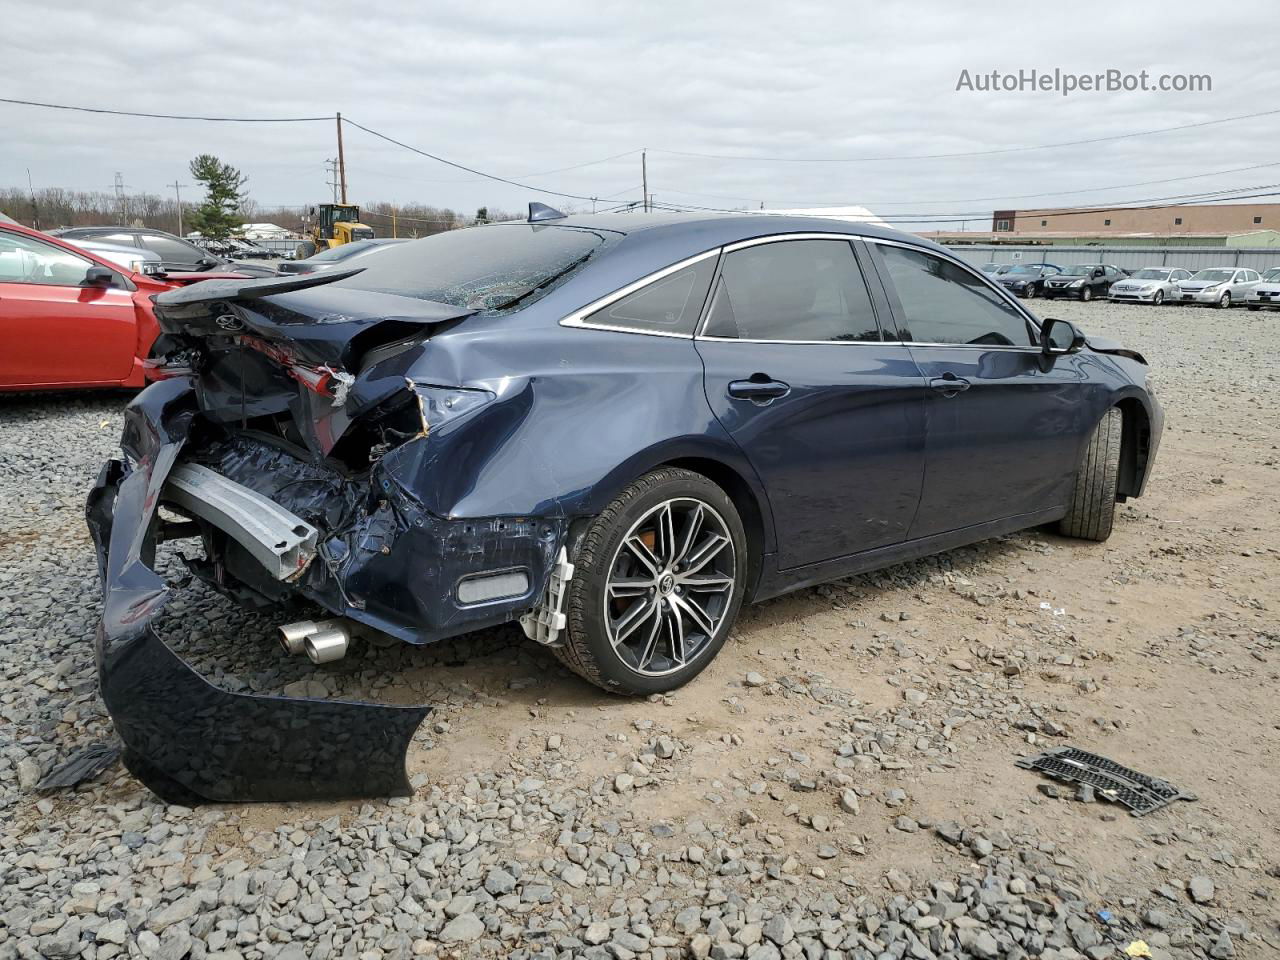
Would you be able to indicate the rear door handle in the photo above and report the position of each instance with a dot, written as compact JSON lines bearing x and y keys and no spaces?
{"x":949,"y":384}
{"x":759,"y":389}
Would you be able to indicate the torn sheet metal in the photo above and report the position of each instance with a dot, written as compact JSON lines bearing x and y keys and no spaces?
{"x":1139,"y":792}
{"x":185,"y":738}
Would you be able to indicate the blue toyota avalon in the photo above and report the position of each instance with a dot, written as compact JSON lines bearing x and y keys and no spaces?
{"x":614,"y":429}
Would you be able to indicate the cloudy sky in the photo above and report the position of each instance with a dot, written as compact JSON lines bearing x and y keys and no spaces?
{"x":524,"y":90}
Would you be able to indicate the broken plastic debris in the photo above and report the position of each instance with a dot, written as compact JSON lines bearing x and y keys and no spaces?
{"x":1139,"y":792}
{"x":85,"y":764}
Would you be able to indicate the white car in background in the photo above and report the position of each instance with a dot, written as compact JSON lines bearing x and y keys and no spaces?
{"x":1218,"y":286}
{"x":1266,"y":293}
{"x":1149,"y":285}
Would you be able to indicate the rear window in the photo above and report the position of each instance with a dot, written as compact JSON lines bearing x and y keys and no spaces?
{"x":492,"y":269}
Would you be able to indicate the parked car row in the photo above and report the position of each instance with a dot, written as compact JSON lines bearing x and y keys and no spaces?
{"x":175,"y":253}
{"x":1213,"y":286}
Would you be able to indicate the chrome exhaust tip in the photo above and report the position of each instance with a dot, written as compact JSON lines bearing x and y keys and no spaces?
{"x":327,"y":645}
{"x":292,"y":636}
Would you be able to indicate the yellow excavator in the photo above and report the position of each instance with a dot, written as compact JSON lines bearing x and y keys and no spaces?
{"x":333,"y":225}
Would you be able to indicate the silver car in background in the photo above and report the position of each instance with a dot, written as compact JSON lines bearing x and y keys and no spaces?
{"x":121,"y":254}
{"x":1218,"y":286}
{"x":1149,"y":285}
{"x":1266,"y":293}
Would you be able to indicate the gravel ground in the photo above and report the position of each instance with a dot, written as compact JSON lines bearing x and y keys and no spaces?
{"x":840,"y":783}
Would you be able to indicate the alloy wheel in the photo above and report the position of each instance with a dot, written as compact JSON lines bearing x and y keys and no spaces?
{"x":669,"y":586}
{"x":1158,"y":298}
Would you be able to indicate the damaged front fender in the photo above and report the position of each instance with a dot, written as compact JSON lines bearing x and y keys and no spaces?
{"x":185,"y":738}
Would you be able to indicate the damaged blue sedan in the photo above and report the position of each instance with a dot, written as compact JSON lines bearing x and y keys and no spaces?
{"x":613,"y":429}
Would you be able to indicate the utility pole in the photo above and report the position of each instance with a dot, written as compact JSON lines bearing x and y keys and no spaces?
{"x":393,"y":223}
{"x":644,"y":178}
{"x":331,"y":167}
{"x":177,"y":193}
{"x":35,"y":210}
{"x":342,"y":163}
{"x":118,"y":185}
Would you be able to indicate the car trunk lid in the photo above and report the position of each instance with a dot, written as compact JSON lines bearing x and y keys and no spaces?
{"x":281,"y":348}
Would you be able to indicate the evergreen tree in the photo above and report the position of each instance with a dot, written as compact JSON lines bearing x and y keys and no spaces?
{"x":217,"y":216}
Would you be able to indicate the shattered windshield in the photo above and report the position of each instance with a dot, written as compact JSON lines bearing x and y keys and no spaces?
{"x":489,"y":269}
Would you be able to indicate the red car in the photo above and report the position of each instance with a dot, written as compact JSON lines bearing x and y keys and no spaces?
{"x":71,"y":319}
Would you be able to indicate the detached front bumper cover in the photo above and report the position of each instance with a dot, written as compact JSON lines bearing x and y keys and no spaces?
{"x":186,"y":739}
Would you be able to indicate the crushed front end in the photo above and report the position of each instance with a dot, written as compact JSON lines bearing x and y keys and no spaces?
{"x":293,"y":445}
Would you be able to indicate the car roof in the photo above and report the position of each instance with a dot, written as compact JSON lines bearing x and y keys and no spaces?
{"x":90,"y":231}
{"x":731,"y":227}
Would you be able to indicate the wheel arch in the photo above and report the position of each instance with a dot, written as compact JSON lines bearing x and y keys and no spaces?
{"x":744,"y":500}
{"x":1135,"y":448}
{"x":719,"y":464}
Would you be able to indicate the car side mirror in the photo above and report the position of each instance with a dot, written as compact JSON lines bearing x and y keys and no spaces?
{"x":1059,"y":337}
{"x":206,"y":262}
{"x":97,"y":276}
{"x":1097,"y":273}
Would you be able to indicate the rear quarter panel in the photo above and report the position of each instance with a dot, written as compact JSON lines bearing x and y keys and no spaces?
{"x":579,"y":414}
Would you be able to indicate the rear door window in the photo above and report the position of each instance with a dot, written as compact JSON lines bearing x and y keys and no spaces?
{"x":792,"y":290}
{"x":944,"y":303}
{"x":172,"y":251}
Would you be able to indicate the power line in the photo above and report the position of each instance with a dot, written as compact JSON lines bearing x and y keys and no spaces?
{"x":162,"y":116}
{"x":971,"y":153}
{"x":520,"y":176}
{"x":1008,"y":196}
{"x":460,"y":166}
{"x":963,"y":218}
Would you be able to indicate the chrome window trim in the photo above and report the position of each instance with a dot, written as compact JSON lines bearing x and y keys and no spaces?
{"x":579,"y":320}
{"x":784,"y":237}
{"x":824,"y":343}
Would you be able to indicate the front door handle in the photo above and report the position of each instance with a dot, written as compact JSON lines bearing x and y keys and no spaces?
{"x":949,"y":384}
{"x":759,"y":389}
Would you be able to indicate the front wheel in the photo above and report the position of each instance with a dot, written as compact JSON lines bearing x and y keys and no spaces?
{"x":1093,"y":501}
{"x":1086,"y":294}
{"x":304,"y":250}
{"x":1224,"y":301}
{"x":659,"y":580}
{"x":1031,"y":292}
{"x":1158,"y":299}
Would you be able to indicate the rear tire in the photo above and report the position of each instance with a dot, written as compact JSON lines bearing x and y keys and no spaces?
{"x":663,"y":644}
{"x":1093,"y":502}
